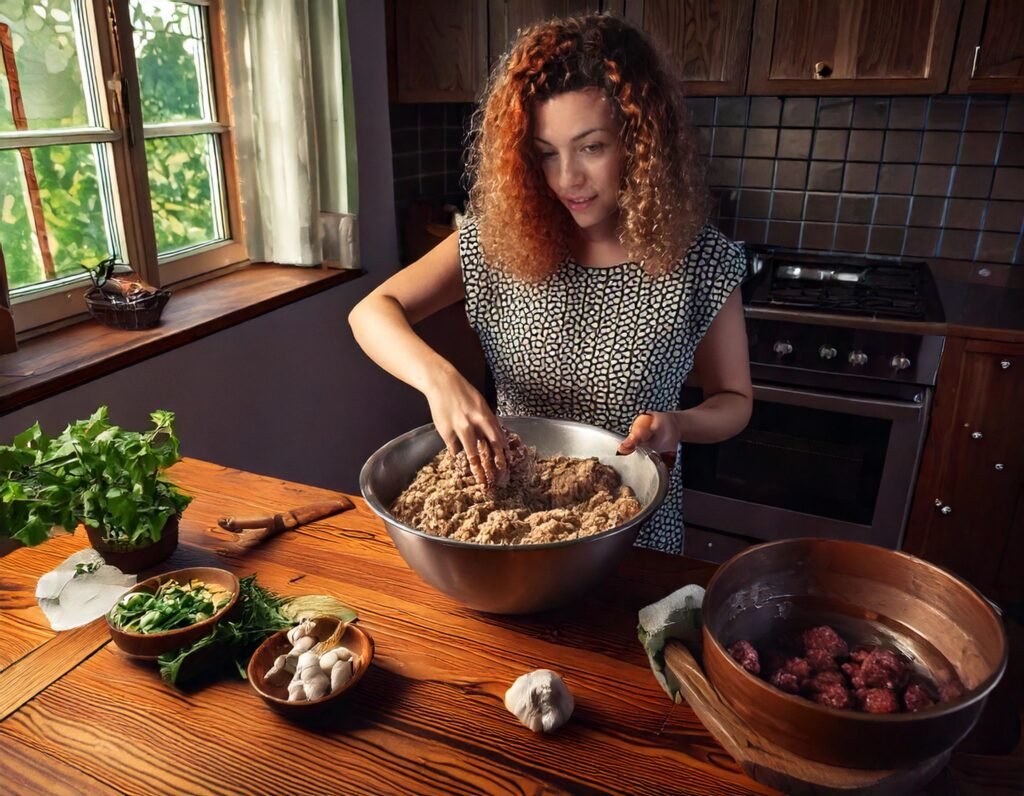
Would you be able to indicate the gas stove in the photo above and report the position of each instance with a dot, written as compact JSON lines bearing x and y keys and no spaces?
{"x":817,"y":320}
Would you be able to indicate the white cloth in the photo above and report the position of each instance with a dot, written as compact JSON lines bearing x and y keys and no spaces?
{"x":676,"y":616}
{"x":81,"y":589}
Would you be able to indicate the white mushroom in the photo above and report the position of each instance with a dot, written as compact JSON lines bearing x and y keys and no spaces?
{"x":540,"y":700}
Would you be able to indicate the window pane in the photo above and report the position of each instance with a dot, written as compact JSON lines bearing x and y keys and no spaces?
{"x":46,"y":64}
{"x":171,"y":57}
{"x":68,"y":194}
{"x":186,"y":189}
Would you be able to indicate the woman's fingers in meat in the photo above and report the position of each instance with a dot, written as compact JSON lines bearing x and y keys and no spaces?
{"x":640,"y":432}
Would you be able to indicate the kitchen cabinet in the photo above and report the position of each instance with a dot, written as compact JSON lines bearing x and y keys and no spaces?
{"x":990,"y":48}
{"x":507,"y":17}
{"x":709,"y":40}
{"x":438,"y":49}
{"x":852,"y":47}
{"x":968,"y":510}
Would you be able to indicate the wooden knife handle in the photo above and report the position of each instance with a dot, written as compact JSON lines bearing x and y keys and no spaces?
{"x":286,"y":520}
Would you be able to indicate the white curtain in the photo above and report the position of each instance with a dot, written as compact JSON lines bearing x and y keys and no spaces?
{"x":287,"y":89}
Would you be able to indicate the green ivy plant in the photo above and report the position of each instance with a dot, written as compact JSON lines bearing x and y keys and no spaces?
{"x":94,"y":473}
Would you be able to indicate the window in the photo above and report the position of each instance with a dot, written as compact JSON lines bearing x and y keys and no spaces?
{"x":113,"y":142}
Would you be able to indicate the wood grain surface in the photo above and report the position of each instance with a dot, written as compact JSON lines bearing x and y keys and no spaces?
{"x":428,"y":717}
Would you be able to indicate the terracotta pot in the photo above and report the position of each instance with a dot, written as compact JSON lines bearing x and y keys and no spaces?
{"x":135,"y":559}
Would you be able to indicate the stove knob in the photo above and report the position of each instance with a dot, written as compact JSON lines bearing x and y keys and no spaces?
{"x":858,"y":358}
{"x":827,"y":352}
{"x":900,"y":362}
{"x":782,"y":347}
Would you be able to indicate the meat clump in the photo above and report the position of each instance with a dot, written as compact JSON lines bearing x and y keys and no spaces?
{"x":745,"y":655}
{"x":878,"y":700}
{"x":916,"y":698}
{"x":873,"y":680}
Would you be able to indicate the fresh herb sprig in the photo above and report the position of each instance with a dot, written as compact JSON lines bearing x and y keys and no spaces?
{"x":261,"y":616}
{"x":95,"y":473}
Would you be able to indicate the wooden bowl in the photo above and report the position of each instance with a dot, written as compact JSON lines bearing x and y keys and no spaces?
{"x":871,"y":596}
{"x":356,"y":639}
{"x":152,"y":645}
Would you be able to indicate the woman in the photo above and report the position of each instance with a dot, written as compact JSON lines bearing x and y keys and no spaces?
{"x":586,"y":265}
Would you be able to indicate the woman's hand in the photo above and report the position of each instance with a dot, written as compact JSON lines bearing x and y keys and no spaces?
{"x":465,"y":422}
{"x":658,"y":431}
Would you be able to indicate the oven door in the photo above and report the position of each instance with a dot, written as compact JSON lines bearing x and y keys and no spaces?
{"x":810,"y":463}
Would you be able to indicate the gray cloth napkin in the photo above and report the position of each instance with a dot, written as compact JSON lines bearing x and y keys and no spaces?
{"x":676,"y":616}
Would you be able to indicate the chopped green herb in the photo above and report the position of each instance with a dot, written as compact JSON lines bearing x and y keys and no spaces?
{"x":173,"y":605}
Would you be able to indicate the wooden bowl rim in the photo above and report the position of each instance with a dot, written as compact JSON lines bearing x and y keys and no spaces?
{"x":152,"y":583}
{"x":969,"y":697}
{"x":356,"y":677}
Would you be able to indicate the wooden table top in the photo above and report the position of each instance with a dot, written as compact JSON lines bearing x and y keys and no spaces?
{"x":77,"y":716}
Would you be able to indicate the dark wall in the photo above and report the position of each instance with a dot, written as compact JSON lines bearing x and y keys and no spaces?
{"x":902,"y":176}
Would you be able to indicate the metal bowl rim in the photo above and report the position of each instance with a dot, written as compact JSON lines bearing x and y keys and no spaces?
{"x":374,"y":503}
{"x":953,"y":706}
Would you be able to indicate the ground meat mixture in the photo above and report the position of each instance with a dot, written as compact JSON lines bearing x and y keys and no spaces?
{"x":536,"y":500}
{"x":819,"y":665}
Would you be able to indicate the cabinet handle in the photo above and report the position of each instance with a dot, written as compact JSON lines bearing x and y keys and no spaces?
{"x":1000,"y":467}
{"x":947,"y":510}
{"x":976,"y":435}
{"x":822,"y":70}
{"x":1004,"y":364}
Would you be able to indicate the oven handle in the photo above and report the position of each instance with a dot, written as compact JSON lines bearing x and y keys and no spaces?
{"x":849,"y":404}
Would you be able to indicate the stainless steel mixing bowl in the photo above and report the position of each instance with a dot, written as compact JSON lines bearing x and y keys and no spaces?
{"x":513,"y":579}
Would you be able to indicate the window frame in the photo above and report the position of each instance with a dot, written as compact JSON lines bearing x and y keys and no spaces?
{"x":117,"y":82}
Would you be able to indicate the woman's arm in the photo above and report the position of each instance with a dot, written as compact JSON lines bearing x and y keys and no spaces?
{"x":723,"y":364}
{"x":382,"y":325}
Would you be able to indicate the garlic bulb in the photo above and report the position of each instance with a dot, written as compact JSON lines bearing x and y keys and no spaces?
{"x":540,"y":700}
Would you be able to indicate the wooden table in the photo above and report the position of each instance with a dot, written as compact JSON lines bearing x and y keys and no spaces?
{"x":76,"y":716}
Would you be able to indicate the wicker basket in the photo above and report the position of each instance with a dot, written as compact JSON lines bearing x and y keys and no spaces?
{"x":141,"y":314}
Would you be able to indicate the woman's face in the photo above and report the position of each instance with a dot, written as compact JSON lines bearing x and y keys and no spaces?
{"x":577,"y":142}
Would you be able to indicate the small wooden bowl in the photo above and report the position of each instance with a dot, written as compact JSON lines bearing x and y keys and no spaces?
{"x":152,"y":645}
{"x":356,"y":639}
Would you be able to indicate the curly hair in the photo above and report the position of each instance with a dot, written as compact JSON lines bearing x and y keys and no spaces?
{"x":663,"y":201}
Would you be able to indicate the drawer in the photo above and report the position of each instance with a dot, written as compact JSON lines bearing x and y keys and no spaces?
{"x":713,"y":545}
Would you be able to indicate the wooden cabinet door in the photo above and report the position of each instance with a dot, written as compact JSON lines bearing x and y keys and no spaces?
{"x":990,"y":48}
{"x":440,"y":50}
{"x":968,"y":516}
{"x":508,"y":17}
{"x":852,"y":47}
{"x":709,"y":40}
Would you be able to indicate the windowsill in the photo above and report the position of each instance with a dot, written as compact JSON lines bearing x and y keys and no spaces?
{"x":58,"y":361}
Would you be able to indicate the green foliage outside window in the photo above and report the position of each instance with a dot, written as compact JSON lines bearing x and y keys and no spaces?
{"x":167,"y":43}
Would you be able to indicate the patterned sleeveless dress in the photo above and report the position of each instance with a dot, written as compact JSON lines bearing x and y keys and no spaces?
{"x":600,"y":345}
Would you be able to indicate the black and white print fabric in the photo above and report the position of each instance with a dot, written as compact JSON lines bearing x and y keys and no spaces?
{"x":600,"y":345}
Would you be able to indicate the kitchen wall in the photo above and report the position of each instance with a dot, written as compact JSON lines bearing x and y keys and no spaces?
{"x":289,"y":393}
{"x":902,"y":176}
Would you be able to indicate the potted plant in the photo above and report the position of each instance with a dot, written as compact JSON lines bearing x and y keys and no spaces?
{"x":123,"y":301}
{"x":101,"y":476}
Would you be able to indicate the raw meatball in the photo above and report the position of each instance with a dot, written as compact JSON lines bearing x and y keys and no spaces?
{"x":826,"y":680}
{"x":916,"y":698}
{"x":821,"y":660}
{"x":785,"y":681}
{"x":883,"y":669}
{"x":950,"y":690}
{"x":791,"y":676}
{"x":826,"y":639}
{"x":833,"y":696}
{"x":745,"y":655}
{"x":878,"y":700}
